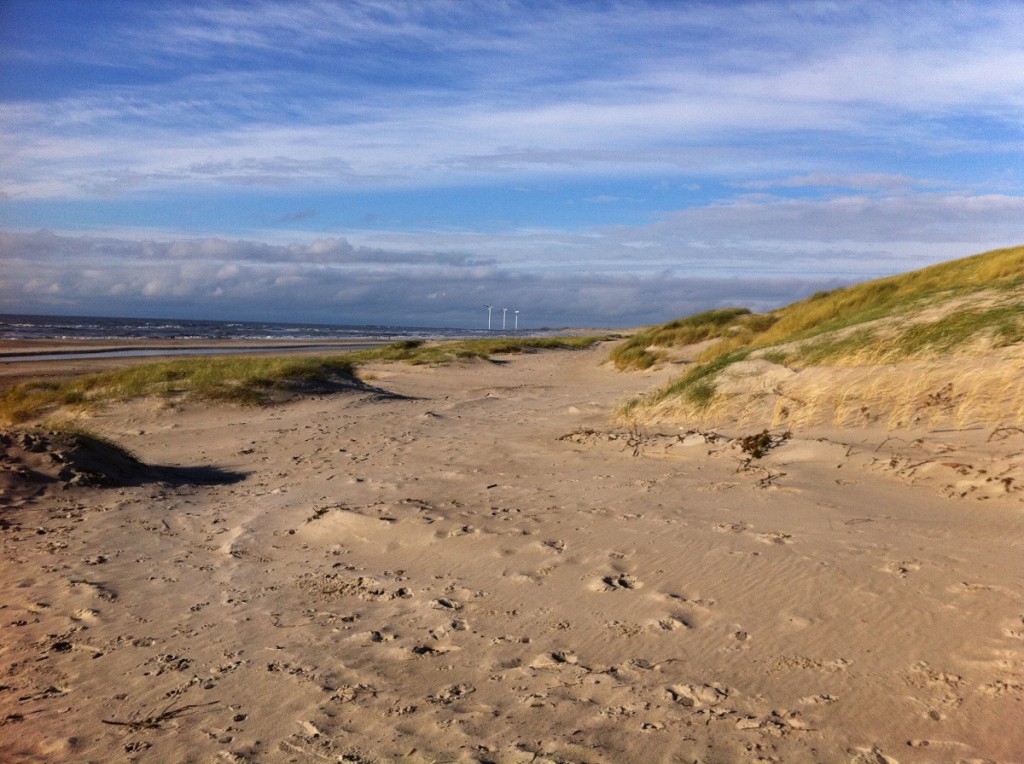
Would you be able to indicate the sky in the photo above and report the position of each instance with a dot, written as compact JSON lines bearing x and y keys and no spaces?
{"x":602,"y":163}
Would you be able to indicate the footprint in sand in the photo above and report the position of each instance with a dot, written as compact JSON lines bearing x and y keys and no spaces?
{"x":698,"y":695}
{"x":901,"y":568}
{"x":944,"y":688}
{"x":1015,"y":628}
{"x":555,"y":659}
{"x":817,"y":700}
{"x":871,"y":756}
{"x":700,"y":602}
{"x":777,"y":723}
{"x":972,"y":588}
{"x":429,"y":651}
{"x":443,"y":603}
{"x":86,"y":614}
{"x":1007,"y":686}
{"x":619,"y":581}
{"x":451,"y":694}
{"x":775,"y":537}
{"x":100,"y":590}
{"x":674,"y":622}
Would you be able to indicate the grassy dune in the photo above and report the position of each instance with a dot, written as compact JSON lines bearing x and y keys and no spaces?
{"x":238,"y":379}
{"x":417,"y":352}
{"x":245,"y":379}
{"x":648,"y":347}
{"x":972,"y":307}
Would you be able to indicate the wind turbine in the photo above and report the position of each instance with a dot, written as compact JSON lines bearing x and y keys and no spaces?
{"x":517,"y":320}
{"x":488,"y":316}
{"x":503,"y":312}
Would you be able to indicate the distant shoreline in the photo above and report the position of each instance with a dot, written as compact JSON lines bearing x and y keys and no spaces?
{"x":65,"y":350}
{"x":52,"y":359}
{"x":23,"y":360}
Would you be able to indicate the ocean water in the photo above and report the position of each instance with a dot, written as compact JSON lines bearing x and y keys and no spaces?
{"x":17,"y":327}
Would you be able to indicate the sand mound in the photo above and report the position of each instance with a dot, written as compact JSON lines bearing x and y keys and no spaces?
{"x":35,"y":462}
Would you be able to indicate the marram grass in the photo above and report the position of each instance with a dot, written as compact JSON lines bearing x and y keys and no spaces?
{"x":826,"y":312}
{"x":243,"y":379}
{"x":641,"y":351}
{"x":417,"y":352}
{"x":978,"y":299}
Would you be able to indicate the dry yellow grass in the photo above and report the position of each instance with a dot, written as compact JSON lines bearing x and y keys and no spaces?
{"x":927,"y":393}
{"x":944,"y":345}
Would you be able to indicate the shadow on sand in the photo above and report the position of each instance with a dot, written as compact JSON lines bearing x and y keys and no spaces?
{"x":180,"y":476}
{"x":36,"y":461}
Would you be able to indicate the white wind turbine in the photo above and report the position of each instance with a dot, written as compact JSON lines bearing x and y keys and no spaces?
{"x":489,"y":307}
{"x":503,"y":312}
{"x":517,"y":320}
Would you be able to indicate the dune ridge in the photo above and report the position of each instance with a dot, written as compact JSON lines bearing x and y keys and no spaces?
{"x":943,"y":345}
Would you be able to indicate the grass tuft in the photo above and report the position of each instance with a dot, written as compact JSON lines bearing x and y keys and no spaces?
{"x":419,"y":353}
{"x":641,"y":350}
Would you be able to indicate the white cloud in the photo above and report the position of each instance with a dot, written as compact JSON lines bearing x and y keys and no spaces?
{"x":874,"y":138}
{"x":475,"y":88}
{"x":869,"y":181}
{"x":759,"y":253}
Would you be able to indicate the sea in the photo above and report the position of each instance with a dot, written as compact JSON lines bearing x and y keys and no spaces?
{"x":20,"y":327}
{"x":26,"y":327}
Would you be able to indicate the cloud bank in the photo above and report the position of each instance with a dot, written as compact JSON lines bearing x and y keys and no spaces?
{"x":394,"y":162}
{"x":755,"y":253}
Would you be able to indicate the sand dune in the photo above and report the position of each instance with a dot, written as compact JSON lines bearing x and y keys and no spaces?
{"x":489,"y":568}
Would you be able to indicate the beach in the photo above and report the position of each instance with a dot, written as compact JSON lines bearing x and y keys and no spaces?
{"x":481,"y":562}
{"x":59,"y":359}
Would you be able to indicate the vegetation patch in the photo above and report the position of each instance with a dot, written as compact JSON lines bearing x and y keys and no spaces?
{"x":248,"y":380}
{"x":828,"y":312}
{"x":640,"y":351}
{"x":758,"y":445}
{"x":697,"y":386}
{"x":1001,"y":325}
{"x":976,"y":299}
{"x":417,"y":352}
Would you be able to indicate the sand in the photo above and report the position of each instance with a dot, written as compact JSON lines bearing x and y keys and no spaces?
{"x":485,"y":566}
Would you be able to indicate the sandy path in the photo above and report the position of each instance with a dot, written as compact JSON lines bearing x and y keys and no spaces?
{"x":444,"y":577}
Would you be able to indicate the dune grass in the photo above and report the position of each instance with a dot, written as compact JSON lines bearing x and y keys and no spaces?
{"x":252,"y":380}
{"x":827,"y":312}
{"x":418,"y":352}
{"x":879,"y":321}
{"x":641,"y":350}
{"x":696,"y":387}
{"x":238,"y":379}
{"x":1000,"y":325}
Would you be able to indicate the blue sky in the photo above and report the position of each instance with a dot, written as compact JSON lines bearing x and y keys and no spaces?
{"x":587,"y":163}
